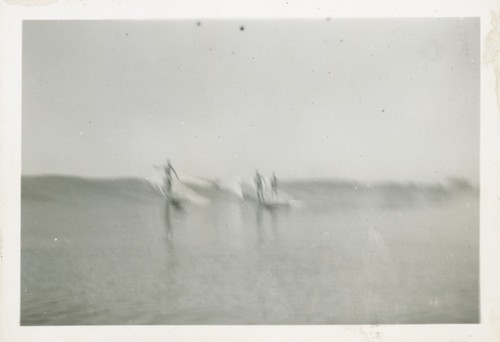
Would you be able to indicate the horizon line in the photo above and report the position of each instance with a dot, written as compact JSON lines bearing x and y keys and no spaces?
{"x":445,"y":180}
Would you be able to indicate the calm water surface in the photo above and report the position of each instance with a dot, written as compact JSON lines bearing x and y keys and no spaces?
{"x":111,"y":260}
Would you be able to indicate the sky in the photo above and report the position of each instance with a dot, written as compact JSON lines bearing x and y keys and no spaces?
{"x":360,"y":99}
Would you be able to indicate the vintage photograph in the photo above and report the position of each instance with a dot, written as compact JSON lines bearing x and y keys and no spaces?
{"x":250,"y":172}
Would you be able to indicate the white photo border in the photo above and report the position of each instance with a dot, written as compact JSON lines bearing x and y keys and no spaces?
{"x":12,"y":14}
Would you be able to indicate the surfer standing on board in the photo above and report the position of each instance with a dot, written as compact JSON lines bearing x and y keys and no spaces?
{"x":168,"y":175}
{"x":259,"y":185}
{"x":274,"y":184}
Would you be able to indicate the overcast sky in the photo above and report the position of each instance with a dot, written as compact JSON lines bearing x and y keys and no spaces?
{"x":371,"y":99}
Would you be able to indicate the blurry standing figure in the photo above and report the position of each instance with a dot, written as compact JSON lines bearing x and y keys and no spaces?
{"x":274,"y":184}
{"x":259,"y":185}
{"x":168,"y":176}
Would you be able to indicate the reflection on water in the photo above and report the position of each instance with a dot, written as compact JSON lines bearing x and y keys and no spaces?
{"x":168,"y":221}
{"x":169,"y":240}
{"x":268,"y":221}
{"x":235,"y":262}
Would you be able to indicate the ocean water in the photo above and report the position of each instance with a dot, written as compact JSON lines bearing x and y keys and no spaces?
{"x":114,"y":252}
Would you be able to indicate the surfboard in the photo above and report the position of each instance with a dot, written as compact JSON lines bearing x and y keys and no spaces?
{"x":176,"y":198}
{"x":275,"y":203}
{"x":272,"y":200}
{"x":183,"y":195}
